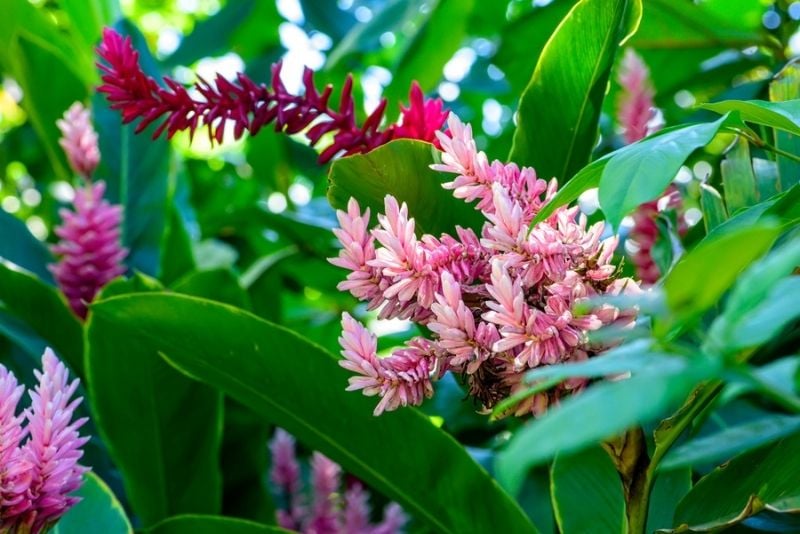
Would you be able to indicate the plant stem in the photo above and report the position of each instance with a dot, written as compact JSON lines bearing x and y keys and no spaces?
{"x":642,"y":485}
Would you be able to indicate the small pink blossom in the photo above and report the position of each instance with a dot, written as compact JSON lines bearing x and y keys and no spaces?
{"x":79,"y":140}
{"x":635,"y":108}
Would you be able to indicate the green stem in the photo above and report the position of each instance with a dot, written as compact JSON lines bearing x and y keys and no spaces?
{"x":639,"y":498}
{"x":763,"y":144}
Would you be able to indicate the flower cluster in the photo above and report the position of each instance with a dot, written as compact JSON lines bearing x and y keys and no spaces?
{"x":328,"y":512}
{"x":38,"y":476}
{"x":635,"y":114}
{"x":249,"y":106}
{"x":89,"y":246}
{"x":498,"y":305}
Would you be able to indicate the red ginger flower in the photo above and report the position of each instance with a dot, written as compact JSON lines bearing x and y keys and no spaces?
{"x":635,"y":105}
{"x":250,"y":106}
{"x":38,"y":477}
{"x":91,"y":255}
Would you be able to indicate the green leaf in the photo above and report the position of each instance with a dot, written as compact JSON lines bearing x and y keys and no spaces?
{"x":755,"y":295}
{"x":559,"y":110}
{"x":98,"y":511}
{"x":714,"y":212}
{"x":88,"y":17}
{"x":401,"y":168}
{"x":587,"y":493}
{"x":784,"y":86}
{"x":692,"y":286}
{"x":272,"y":370}
{"x":22,"y":248}
{"x":42,"y":308}
{"x":729,"y":442}
{"x":762,"y":324}
{"x":668,"y":490}
{"x":781,"y":115}
{"x":671,"y":146}
{"x":209,"y":524}
{"x":443,"y":32}
{"x":162,"y":429}
{"x":642,"y":171}
{"x":135,"y":167}
{"x":218,"y":284}
{"x":765,"y":478}
{"x":602,"y":411}
{"x":738,"y":180}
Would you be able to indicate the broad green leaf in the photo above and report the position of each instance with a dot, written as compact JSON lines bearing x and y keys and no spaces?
{"x":668,"y":490}
{"x":135,"y":167}
{"x":783,"y":208}
{"x":764,"y":478}
{"x":176,"y":257}
{"x":442,"y":33}
{"x":523,"y":40}
{"x":692,"y":287}
{"x":714,"y":212}
{"x":738,"y":180}
{"x":781,"y":115}
{"x":587,"y":493}
{"x":602,"y":411}
{"x":671,"y":145}
{"x":755,"y":295}
{"x":762,"y":324}
{"x":642,"y":171}
{"x":88,"y":17}
{"x":767,"y":177}
{"x":209,"y":524}
{"x":50,"y":87}
{"x":22,"y":336}
{"x":784,"y":86}
{"x":729,"y":442}
{"x":163,"y":430}
{"x":20,"y":247}
{"x":98,"y":511}
{"x":272,"y":370}
{"x":401,"y":168}
{"x":559,"y":110}
{"x":44,"y":309}
{"x":218,"y":284}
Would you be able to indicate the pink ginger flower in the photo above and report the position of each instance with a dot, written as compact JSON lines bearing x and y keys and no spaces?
{"x":497,"y":306}
{"x":250,"y":106}
{"x":91,"y":255}
{"x":38,"y":477}
{"x":79,"y":140}
{"x":635,"y":107}
{"x":329,"y":513}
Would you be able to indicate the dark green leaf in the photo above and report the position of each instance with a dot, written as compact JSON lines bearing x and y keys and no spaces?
{"x":97,"y":511}
{"x":208,"y":524}
{"x":781,"y":115}
{"x":668,"y":490}
{"x":784,"y":86}
{"x":20,"y":247}
{"x":218,"y":284}
{"x":401,"y":168}
{"x":603,"y":410}
{"x":423,"y":60}
{"x":42,"y":308}
{"x":642,"y":171}
{"x":766,"y":477}
{"x":162,"y":429}
{"x":731,"y":441}
{"x":135,"y":167}
{"x":271,"y":370}
{"x":559,"y":110}
{"x":587,"y":493}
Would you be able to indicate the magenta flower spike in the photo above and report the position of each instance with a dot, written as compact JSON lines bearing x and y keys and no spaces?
{"x":79,"y":140}
{"x":497,"y":305}
{"x":249,"y":106}
{"x":90,"y":250}
{"x":329,"y":513}
{"x":38,"y":477}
